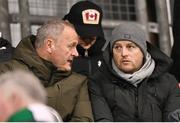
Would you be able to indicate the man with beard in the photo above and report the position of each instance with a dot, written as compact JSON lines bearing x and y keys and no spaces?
{"x":133,"y":84}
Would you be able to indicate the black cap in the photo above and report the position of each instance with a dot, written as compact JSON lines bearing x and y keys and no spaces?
{"x":86,"y":18}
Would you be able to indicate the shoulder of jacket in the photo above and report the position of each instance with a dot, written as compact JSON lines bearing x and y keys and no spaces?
{"x":170,"y":78}
{"x":78,"y":76}
{"x":12,"y":65}
{"x":167,"y":77}
{"x":166,"y":81}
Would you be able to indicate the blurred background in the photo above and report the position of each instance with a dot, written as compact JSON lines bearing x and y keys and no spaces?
{"x":19,"y":18}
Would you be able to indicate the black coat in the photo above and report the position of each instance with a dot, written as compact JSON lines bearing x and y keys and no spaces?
{"x":6,"y":50}
{"x":114,"y":99}
{"x":175,"y":54}
{"x":87,"y":65}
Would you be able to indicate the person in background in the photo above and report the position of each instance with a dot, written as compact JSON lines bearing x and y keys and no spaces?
{"x":23,"y":99}
{"x":6,"y":50}
{"x":49,"y":56}
{"x":133,"y":84}
{"x":175,"y":53}
{"x":86,"y":17}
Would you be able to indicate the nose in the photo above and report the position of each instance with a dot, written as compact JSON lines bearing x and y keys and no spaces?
{"x":75,"y":52}
{"x":124,"y":51}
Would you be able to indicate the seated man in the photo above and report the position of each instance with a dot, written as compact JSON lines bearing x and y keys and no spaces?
{"x":23,"y":99}
{"x":49,"y":56}
{"x":133,"y":84}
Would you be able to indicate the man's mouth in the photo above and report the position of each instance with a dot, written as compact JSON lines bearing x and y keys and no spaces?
{"x":70,"y":61}
{"x":126,"y":61}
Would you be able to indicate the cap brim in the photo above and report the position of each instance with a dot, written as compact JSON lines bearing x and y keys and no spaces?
{"x":89,"y":30}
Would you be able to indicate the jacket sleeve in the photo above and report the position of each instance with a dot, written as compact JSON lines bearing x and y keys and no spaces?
{"x":101,"y":110}
{"x":83,"y":110}
{"x":172,"y":105}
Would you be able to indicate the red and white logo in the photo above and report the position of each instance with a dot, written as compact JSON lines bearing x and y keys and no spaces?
{"x":90,"y":16}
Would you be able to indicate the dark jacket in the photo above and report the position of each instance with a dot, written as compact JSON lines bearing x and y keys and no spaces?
{"x":67,"y":91}
{"x":114,"y":99}
{"x":87,"y":65}
{"x":175,"y":54}
{"x":6,"y":50}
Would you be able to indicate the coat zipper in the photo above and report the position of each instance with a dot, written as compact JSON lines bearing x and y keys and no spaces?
{"x":136,"y":104}
{"x":89,"y":62}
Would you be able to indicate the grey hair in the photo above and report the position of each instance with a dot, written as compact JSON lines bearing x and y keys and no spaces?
{"x":25,"y":84}
{"x":51,"y":29}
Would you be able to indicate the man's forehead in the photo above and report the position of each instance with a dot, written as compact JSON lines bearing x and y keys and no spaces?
{"x":124,"y":42}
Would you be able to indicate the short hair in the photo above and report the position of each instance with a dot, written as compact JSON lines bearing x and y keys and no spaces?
{"x":51,"y":29}
{"x":25,"y":84}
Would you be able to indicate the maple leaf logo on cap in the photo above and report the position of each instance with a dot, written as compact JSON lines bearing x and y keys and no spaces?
{"x":90,"y":16}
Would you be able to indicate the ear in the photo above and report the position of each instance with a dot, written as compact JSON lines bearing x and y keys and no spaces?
{"x":50,"y":45}
{"x":66,"y":20}
{"x":17,"y":101}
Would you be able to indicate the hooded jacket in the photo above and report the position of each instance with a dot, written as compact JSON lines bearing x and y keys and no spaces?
{"x":67,"y":91}
{"x":115,"y":99}
{"x":87,"y":65}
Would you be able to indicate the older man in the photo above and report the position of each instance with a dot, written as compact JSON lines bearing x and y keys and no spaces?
{"x":23,"y":98}
{"x":49,"y":55}
{"x":134,"y":84}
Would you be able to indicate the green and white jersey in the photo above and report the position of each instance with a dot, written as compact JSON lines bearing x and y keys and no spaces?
{"x":36,"y":112}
